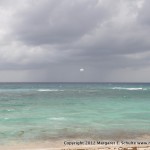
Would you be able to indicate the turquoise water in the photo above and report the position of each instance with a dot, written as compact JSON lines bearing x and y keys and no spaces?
{"x":43,"y":111}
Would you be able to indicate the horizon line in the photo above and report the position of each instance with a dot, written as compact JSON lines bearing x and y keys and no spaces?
{"x":108,"y":82}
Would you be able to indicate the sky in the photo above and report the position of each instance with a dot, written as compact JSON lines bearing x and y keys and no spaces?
{"x":74,"y":41}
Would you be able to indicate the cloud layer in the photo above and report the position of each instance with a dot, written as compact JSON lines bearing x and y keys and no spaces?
{"x":50,"y":40}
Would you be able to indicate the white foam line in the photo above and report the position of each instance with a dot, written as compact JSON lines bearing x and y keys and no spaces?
{"x":55,"y":118}
{"x":49,"y":90}
{"x":121,"y":88}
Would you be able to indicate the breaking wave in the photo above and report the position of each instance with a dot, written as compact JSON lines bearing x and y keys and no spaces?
{"x":131,"y":89}
{"x":57,"y":118}
{"x":49,"y":90}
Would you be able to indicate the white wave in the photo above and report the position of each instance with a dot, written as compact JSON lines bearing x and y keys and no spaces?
{"x":10,"y":109}
{"x":132,"y":89}
{"x":57,"y":118}
{"x":49,"y":90}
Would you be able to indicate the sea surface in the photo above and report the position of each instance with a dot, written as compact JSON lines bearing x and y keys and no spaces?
{"x":44,"y":111}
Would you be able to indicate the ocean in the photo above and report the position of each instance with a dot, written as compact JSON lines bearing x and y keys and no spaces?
{"x":45,"y":111}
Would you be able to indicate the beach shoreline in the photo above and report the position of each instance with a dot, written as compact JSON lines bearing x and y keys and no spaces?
{"x":21,"y":147}
{"x":77,"y":145}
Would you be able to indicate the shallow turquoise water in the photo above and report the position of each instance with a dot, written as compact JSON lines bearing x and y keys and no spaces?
{"x":42,"y":111}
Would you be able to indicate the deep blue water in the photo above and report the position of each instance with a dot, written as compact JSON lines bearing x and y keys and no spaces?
{"x":42,"y":111}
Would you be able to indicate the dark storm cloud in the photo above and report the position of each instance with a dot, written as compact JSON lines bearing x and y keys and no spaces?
{"x":56,"y":22}
{"x":56,"y":38}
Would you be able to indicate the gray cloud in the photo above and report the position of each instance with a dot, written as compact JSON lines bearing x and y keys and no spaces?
{"x":53,"y":22}
{"x":50,"y":40}
{"x":144,"y":17}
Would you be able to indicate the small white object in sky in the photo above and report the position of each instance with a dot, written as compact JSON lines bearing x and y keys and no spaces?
{"x":81,"y":70}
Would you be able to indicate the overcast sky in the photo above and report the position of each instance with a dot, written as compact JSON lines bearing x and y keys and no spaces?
{"x":51,"y":40}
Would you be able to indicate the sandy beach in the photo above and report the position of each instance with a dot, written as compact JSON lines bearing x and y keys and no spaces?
{"x":59,"y":145}
{"x":133,"y":147}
